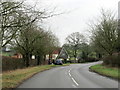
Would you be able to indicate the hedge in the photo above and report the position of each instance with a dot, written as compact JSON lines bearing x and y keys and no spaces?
{"x":10,"y":63}
{"x":112,"y":60}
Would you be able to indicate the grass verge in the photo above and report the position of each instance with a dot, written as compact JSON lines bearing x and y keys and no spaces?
{"x":11,"y":79}
{"x":106,"y":71}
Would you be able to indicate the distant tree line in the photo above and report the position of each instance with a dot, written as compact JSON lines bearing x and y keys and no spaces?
{"x":104,"y":41}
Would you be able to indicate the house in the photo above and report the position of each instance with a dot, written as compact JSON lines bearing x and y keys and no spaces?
{"x":17,"y":55}
{"x":60,"y":53}
{"x":63,"y":54}
{"x":54,"y":54}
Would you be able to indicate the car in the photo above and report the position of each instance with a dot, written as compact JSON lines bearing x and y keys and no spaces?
{"x":58,"y":62}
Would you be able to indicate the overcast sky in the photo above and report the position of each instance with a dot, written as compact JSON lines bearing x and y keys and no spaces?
{"x":81,"y":12}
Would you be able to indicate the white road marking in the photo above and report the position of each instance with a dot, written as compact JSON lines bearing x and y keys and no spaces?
{"x":69,"y":70}
{"x":74,"y":86}
{"x":69,"y":74}
{"x":72,"y":78}
{"x":75,"y":81}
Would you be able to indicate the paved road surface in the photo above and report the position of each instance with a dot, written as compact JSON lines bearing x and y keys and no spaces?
{"x":73,"y":76}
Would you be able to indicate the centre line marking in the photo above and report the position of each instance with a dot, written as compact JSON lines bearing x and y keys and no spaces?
{"x":74,"y":86}
{"x":69,"y":74}
{"x":72,"y":78}
{"x":75,"y":81}
{"x":69,"y":70}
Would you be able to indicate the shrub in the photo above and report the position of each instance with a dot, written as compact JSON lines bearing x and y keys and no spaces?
{"x":112,"y":60}
{"x":81,"y":61}
{"x":10,"y":63}
{"x":89,"y":59}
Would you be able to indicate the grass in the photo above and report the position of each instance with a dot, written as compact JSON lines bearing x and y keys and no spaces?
{"x":11,"y":79}
{"x":106,"y":71}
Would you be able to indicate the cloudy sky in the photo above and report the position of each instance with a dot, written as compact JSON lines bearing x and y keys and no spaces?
{"x":78,"y":13}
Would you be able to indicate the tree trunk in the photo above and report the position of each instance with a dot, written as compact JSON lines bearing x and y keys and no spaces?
{"x":24,"y":59}
{"x":50,"y":57}
{"x":27,"y":57}
{"x":30,"y":56}
{"x":99,"y":55}
{"x":38,"y":60}
{"x":75,"y":55}
{"x":65,"y":60}
{"x":44,"y":59}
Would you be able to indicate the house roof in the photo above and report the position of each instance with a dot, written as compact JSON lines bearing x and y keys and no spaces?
{"x":63,"y":54}
{"x":57,"y":51}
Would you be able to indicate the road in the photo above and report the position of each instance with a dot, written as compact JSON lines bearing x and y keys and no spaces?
{"x":73,"y":76}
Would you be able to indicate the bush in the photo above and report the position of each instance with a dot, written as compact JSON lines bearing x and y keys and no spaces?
{"x":81,"y":61}
{"x":89,"y":59}
{"x":112,"y":60}
{"x":10,"y":63}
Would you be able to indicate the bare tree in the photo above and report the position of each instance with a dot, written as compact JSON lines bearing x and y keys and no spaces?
{"x":13,"y":16}
{"x":9,"y":25}
{"x":105,"y":33}
{"x":30,"y":34}
{"x":19,"y":27}
{"x":75,"y":39}
{"x":45,"y":45}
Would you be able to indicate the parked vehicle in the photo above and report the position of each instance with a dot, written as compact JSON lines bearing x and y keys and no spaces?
{"x":58,"y":62}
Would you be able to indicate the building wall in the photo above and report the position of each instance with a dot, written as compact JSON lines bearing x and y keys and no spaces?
{"x":47,"y":57}
{"x":54,"y":56}
{"x":17,"y":56}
